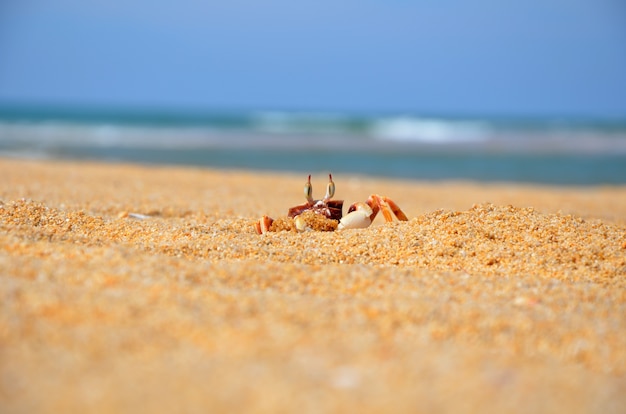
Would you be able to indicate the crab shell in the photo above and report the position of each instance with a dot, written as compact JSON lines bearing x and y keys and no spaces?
{"x":331,"y":209}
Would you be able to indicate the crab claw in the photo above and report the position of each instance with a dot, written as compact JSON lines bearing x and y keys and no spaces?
{"x":263,"y":225}
{"x":359,"y":217}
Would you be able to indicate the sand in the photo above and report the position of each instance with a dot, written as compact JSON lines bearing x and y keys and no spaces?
{"x":132,"y":288}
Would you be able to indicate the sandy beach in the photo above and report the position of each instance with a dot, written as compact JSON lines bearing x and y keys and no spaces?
{"x":128,"y":288}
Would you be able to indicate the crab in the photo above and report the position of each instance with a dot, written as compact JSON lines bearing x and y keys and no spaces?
{"x":326,"y":213}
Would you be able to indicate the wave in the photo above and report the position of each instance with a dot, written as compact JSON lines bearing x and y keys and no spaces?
{"x":412,"y":129}
{"x":310,"y":130}
{"x":392,"y":128}
{"x":400,"y":145}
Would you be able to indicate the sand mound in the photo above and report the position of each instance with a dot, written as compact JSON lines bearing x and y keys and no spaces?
{"x":115,"y":299}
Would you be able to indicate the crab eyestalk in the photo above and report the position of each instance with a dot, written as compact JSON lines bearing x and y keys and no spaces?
{"x":330,"y":188}
{"x":308,"y":191}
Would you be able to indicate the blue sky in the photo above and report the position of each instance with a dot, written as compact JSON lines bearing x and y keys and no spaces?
{"x":495,"y":57}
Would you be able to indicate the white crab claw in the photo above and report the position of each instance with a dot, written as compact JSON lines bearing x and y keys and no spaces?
{"x":358,"y":219}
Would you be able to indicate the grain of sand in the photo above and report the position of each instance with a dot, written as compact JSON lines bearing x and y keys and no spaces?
{"x":132,"y":288}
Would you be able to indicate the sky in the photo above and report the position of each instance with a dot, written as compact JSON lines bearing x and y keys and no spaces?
{"x":450,"y":57}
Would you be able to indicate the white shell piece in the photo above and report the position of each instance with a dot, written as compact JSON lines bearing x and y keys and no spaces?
{"x":301,"y":224}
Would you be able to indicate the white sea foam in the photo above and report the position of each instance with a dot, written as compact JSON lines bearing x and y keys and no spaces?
{"x":319,"y":123}
{"x":57,"y":134}
{"x":411,"y":129}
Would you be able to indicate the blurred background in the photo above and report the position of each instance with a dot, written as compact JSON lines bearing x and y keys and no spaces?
{"x":531,"y":91}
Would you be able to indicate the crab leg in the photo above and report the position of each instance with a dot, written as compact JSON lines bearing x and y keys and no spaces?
{"x":263,"y":225}
{"x":388,"y":206}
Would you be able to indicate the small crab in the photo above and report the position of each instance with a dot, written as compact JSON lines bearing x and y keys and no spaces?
{"x":326,"y":214}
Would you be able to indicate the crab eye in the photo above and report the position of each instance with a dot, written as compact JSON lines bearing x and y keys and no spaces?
{"x":351,"y":208}
{"x":330,"y":189}
{"x":308,"y":190}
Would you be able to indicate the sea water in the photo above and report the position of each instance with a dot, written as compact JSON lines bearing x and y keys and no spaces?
{"x":570,"y":151}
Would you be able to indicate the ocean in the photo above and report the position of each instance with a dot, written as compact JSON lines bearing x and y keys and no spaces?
{"x":563,"y":151}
